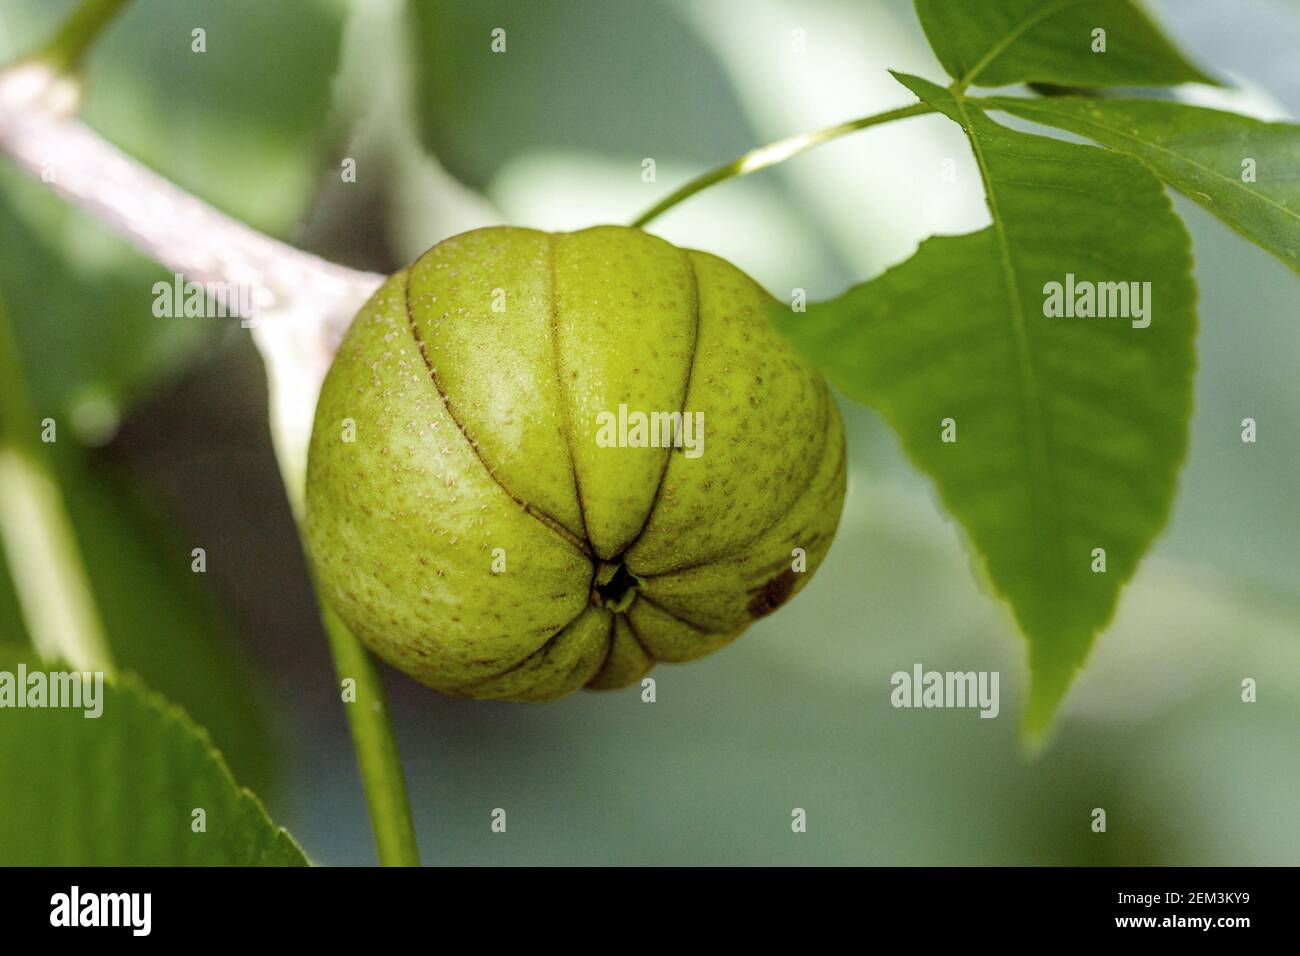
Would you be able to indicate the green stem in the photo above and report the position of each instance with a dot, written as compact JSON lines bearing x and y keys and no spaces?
{"x":78,"y":34}
{"x":378,"y":761}
{"x":377,"y":757}
{"x":54,"y":594}
{"x":774,"y":153}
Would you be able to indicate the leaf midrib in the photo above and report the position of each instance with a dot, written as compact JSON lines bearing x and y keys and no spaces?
{"x":1039,"y":467}
{"x":1209,"y":170}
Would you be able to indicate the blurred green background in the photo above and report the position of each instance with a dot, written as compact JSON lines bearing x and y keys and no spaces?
{"x":172,"y":450}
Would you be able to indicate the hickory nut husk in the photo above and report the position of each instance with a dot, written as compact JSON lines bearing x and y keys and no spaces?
{"x":485,"y":508}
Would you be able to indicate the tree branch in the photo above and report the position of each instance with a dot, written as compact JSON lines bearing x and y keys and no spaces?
{"x":302,"y":307}
{"x":303,"y":304}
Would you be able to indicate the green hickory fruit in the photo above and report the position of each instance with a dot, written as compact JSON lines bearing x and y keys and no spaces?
{"x":468,"y":524}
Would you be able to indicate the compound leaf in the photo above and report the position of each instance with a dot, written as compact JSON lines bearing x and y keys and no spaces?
{"x":1069,"y":432}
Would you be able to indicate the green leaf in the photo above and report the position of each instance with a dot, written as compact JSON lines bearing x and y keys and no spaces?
{"x":584,"y":76}
{"x":81,"y":302}
{"x":121,"y":789}
{"x":12,"y":628}
{"x":160,"y":620}
{"x":1200,"y":152}
{"x":240,"y":125}
{"x":163,"y":621}
{"x":1000,"y":42}
{"x":89,"y":345}
{"x":1070,"y":431}
{"x":245,"y":125}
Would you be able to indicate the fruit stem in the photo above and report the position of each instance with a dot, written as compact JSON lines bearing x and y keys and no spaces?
{"x":774,"y":153}
{"x":372,"y":735}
